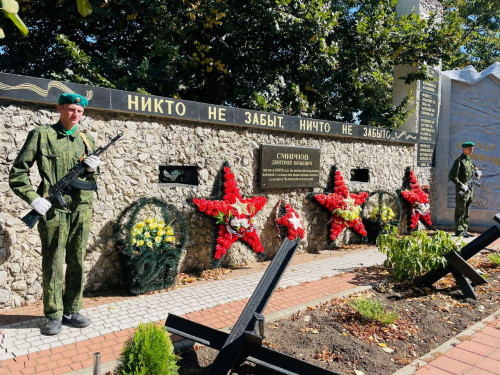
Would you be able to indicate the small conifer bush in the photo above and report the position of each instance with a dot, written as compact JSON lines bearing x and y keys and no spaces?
{"x":148,"y":352}
{"x":494,"y":259}
{"x":373,"y":310}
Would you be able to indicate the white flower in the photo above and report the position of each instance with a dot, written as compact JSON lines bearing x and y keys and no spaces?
{"x":237,"y":223}
{"x":424,"y":208}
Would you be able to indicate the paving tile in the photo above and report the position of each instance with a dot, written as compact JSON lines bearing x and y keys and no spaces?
{"x":62,"y":370}
{"x":486,"y":339}
{"x":478,"y":371}
{"x":464,"y":356}
{"x":490,"y":365}
{"x":431,"y":370}
{"x":495,"y":354}
{"x":451,"y":365}
{"x":475,"y":347}
{"x":491,"y":331}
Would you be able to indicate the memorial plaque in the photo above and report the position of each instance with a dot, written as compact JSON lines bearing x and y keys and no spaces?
{"x":288,"y":167}
{"x":426,"y":154}
{"x":428,"y":120}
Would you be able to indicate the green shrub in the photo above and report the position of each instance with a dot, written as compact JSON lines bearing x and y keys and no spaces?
{"x":494,"y":259}
{"x":148,"y":352}
{"x":411,"y":256}
{"x":371,"y":310}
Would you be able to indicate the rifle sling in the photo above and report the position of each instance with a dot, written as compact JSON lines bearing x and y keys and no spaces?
{"x":87,"y":143}
{"x":82,"y":185}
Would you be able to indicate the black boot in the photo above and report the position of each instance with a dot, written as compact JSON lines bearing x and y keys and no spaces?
{"x":76,"y":320}
{"x":53,"y":327}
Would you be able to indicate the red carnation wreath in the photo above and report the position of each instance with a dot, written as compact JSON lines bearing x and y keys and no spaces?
{"x":418,"y":201}
{"x":291,"y":222}
{"x":234,"y":214}
{"x":344,"y":206}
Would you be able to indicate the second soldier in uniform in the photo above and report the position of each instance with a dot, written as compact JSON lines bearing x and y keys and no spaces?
{"x":461,"y":174}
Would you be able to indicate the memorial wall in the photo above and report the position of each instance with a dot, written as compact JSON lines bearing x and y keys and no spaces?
{"x":173,"y":150}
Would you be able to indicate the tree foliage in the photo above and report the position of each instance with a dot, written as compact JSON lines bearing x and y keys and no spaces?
{"x":325,"y":59}
{"x":478,"y":36}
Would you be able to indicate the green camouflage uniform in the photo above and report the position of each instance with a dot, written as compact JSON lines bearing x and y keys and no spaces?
{"x":63,"y":231}
{"x":461,"y":172}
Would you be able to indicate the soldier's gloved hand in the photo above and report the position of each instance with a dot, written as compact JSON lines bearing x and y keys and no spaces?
{"x":93,"y":162}
{"x":41,"y":205}
{"x":478,"y":173}
{"x":464,"y":187}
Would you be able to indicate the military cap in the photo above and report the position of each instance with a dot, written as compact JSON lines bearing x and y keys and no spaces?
{"x":72,"y":98}
{"x":468,"y":144}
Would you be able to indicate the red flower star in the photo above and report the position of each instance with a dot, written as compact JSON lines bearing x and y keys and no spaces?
{"x":234,"y":215}
{"x":344,"y":206}
{"x":292,"y":222}
{"x":418,"y":201}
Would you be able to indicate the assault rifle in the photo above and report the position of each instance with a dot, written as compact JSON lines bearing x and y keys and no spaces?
{"x":65,"y":184}
{"x":473,"y":181}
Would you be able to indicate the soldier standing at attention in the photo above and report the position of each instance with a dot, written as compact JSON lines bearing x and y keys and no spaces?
{"x":64,"y":231}
{"x":460,"y":174}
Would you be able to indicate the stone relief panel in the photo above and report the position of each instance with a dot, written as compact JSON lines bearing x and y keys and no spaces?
{"x":475,"y":115}
{"x":470,"y":112}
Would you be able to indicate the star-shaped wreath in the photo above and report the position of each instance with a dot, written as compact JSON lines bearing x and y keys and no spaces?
{"x":344,"y":206}
{"x":234,"y":215}
{"x":290,"y":222}
{"x":418,"y":201}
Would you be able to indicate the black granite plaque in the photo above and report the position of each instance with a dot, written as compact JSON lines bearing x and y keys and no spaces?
{"x":16,"y":87}
{"x":288,"y":167}
{"x":428,"y":121}
{"x":426,"y":155}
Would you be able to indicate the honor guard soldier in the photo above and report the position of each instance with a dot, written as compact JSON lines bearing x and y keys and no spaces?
{"x":461,"y":174}
{"x":64,"y":230}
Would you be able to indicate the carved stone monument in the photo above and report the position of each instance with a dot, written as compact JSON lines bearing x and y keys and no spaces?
{"x":470,"y":112}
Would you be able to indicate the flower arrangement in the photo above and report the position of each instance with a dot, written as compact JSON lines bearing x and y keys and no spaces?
{"x":234,"y":215}
{"x":152,"y":234}
{"x":291,"y":222}
{"x":418,"y":201}
{"x":380,"y":208}
{"x":344,"y":206}
{"x":150,"y":248}
{"x":386,"y":214}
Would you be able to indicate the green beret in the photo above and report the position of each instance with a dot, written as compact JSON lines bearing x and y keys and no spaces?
{"x":72,"y":98}
{"x":468,"y":144}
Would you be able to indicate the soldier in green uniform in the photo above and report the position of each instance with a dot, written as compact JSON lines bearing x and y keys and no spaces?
{"x":460,"y":174}
{"x":64,"y":231}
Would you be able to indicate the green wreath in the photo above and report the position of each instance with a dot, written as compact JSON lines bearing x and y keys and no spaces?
{"x":381,"y":208}
{"x":151,"y":266}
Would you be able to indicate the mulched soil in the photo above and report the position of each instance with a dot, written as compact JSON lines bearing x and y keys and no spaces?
{"x":334,"y":336}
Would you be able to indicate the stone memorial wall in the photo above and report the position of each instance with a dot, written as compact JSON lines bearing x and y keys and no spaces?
{"x":186,"y":136}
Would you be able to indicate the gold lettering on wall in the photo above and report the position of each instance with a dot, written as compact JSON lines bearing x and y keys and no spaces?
{"x":155,"y":105}
{"x":378,"y":133}
{"x":263,"y":119}
{"x":133,"y":101}
{"x":216,"y":113}
{"x":315,"y":125}
{"x":347,"y":129}
{"x":145,"y":104}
